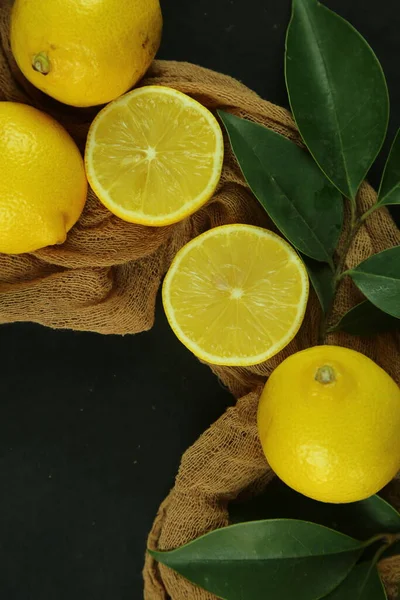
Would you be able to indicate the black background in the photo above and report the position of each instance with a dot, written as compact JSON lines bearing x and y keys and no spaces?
{"x":92,"y":427}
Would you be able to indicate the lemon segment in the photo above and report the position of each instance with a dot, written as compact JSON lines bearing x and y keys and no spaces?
{"x":236,"y":295}
{"x":154,"y":156}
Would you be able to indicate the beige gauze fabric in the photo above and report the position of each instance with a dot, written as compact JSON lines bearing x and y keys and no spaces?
{"x":106,"y":276}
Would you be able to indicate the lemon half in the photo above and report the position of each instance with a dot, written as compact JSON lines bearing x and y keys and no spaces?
{"x":154,"y":156}
{"x":236,"y":295}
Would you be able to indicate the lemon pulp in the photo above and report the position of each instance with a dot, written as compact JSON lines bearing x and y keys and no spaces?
{"x":154,"y":156}
{"x":236,"y":295}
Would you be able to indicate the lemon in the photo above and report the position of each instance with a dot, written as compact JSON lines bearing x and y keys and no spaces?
{"x":85,"y":52}
{"x":236,"y":295}
{"x":154,"y":156}
{"x":329,"y":422}
{"x":42,"y":180}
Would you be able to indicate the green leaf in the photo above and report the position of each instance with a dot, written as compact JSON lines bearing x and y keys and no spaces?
{"x":374,"y":515}
{"x":322,"y":279}
{"x":363,"y":583}
{"x":381,"y":516}
{"x":337,"y":92}
{"x":360,"y":520}
{"x":304,"y":206}
{"x":378,"y":278}
{"x":366,"y":319}
{"x":266,"y":559}
{"x":389,"y":191}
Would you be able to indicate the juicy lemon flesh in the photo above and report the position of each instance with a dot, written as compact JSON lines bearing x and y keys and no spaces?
{"x":236,"y":295}
{"x":154,"y":156}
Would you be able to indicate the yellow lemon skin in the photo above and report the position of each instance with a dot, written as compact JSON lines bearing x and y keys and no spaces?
{"x":85,"y":52}
{"x":329,"y":422}
{"x":43,"y":184}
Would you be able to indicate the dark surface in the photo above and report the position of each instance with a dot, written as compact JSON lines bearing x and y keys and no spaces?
{"x":92,"y":428}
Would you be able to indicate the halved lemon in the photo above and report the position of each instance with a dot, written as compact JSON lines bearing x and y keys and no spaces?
{"x":154,"y":156}
{"x":236,"y":295}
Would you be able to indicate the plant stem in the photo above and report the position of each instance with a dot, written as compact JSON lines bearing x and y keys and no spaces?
{"x":388,"y":538}
{"x":355,"y":224}
{"x":356,"y":221}
{"x":392,"y":538}
{"x":369,"y":212}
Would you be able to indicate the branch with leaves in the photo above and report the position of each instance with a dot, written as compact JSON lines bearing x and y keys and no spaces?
{"x":339,"y":100}
{"x":342,"y":116}
{"x":277,"y":558}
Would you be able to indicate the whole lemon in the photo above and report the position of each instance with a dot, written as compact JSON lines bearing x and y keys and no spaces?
{"x":43,"y":184}
{"x":329,"y":423}
{"x":85,"y":52}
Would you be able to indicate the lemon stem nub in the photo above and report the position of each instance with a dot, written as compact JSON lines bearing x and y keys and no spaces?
{"x":325,"y":374}
{"x":41,"y":63}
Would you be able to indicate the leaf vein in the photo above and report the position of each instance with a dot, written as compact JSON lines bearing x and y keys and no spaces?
{"x":326,"y":74}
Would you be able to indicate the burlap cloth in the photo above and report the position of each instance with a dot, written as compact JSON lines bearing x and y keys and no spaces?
{"x":106,"y":276}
